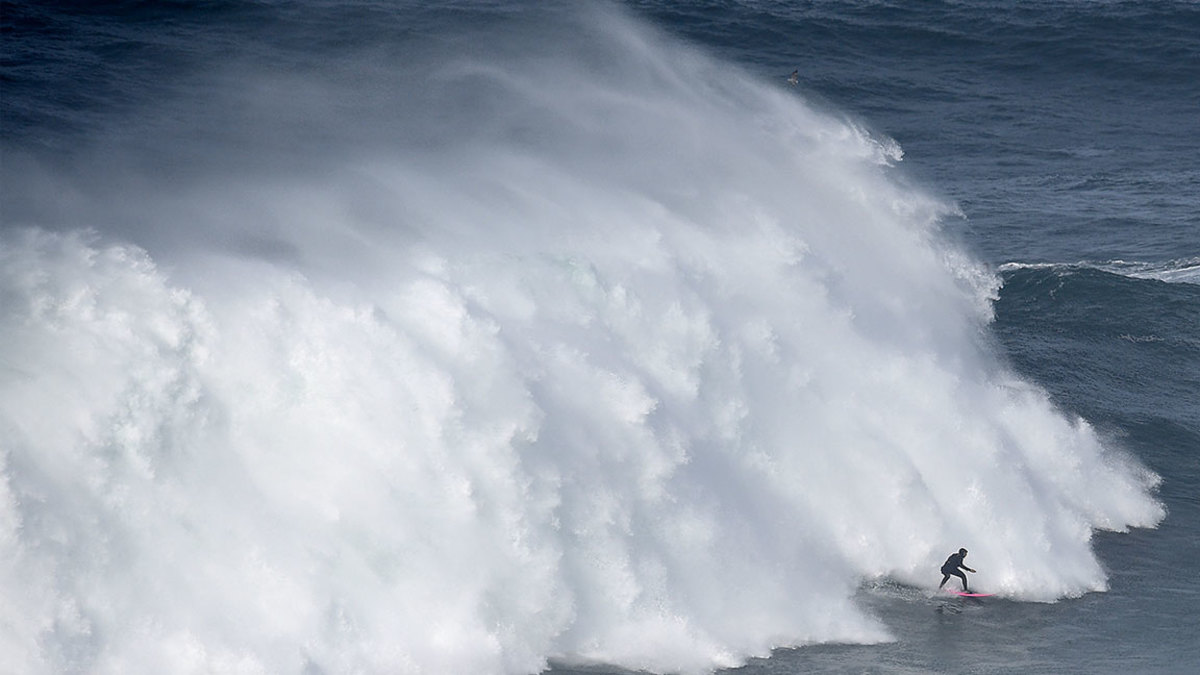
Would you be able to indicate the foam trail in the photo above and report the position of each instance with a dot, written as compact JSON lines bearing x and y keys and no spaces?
{"x":622,"y":356}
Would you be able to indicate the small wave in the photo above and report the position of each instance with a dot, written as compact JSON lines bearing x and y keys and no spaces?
{"x":1141,"y":338}
{"x":1179,"y":270}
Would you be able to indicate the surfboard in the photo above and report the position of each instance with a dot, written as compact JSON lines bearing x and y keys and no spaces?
{"x":971,"y":595}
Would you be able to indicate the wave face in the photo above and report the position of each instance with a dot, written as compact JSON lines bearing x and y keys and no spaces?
{"x":556,"y":339}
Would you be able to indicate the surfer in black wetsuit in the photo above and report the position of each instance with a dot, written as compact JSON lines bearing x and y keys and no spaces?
{"x":951,"y":567}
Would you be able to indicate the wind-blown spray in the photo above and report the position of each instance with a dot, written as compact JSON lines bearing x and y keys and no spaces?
{"x":574,"y":344}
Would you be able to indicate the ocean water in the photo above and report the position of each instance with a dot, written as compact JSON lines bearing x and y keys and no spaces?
{"x":502,"y":337}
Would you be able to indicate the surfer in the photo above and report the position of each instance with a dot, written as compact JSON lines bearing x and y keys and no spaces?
{"x":951,"y":567}
{"x":794,"y":78}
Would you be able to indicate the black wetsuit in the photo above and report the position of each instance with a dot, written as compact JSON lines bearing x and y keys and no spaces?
{"x":951,"y":568}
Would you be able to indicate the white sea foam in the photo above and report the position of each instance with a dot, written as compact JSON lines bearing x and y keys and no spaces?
{"x":648,"y":363}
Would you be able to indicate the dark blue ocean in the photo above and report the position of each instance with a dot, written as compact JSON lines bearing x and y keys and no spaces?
{"x":506,"y":337}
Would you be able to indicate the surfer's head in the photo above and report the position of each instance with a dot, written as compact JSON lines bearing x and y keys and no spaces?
{"x":962,"y":551}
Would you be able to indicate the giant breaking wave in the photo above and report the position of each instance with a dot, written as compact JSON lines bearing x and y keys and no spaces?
{"x":551,"y":339}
